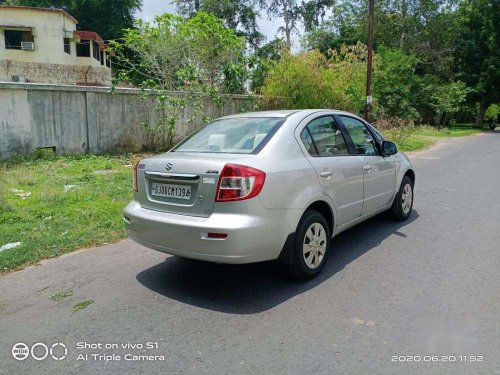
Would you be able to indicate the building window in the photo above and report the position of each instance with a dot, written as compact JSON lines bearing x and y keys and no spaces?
{"x":108,"y":61}
{"x":67,"y":45}
{"x":96,"y":52}
{"x":83,"y":48}
{"x":17,"y":39}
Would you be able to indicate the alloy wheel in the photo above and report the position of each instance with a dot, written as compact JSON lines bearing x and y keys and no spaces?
{"x":314,"y":245}
{"x":407,"y":199}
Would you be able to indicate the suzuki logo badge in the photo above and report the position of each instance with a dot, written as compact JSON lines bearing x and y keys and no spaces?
{"x":168,"y":166}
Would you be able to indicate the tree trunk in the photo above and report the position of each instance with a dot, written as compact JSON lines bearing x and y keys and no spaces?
{"x":483,"y":106}
{"x":441,"y":119}
{"x":287,"y":27}
{"x":197,"y":5}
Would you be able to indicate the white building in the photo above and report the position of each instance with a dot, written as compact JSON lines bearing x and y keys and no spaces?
{"x":42,"y":45}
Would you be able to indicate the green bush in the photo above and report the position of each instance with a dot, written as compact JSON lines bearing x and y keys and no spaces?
{"x":313,"y":80}
{"x":492,"y":112}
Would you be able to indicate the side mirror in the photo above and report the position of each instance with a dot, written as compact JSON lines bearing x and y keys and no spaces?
{"x":389,"y":148}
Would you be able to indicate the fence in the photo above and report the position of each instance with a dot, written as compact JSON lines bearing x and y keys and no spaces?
{"x":77,"y":119}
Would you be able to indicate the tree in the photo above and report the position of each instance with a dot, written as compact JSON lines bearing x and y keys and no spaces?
{"x":175,"y":53}
{"x":308,"y":13}
{"x":394,"y":81}
{"x":444,"y":98}
{"x":195,"y":55}
{"x":426,"y":28}
{"x":313,"y":11}
{"x":106,"y":17}
{"x":417,"y":43}
{"x":328,"y":35}
{"x":477,"y":55}
{"x":239,"y":15}
{"x":262,"y":61}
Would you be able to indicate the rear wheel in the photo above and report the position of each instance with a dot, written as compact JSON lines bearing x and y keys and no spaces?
{"x":312,"y":241}
{"x":403,"y":202}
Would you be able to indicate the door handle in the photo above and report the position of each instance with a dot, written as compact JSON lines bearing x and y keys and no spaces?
{"x":367,"y":168}
{"x":326,"y":173}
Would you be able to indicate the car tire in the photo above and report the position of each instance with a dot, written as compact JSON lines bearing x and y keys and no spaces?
{"x":403,"y":202}
{"x":311,"y":245}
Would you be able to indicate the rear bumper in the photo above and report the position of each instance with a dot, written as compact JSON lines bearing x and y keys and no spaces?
{"x":251,"y":237}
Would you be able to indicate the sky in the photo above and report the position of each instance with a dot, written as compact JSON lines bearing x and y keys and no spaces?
{"x":151,"y":8}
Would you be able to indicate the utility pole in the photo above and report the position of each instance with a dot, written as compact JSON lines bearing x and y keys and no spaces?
{"x":371,"y":23}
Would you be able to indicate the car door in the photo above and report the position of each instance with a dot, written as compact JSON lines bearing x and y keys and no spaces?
{"x":379,"y":172}
{"x":340,"y":174}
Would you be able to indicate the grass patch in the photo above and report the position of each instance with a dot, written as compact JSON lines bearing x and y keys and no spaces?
{"x":81,"y":305}
{"x":59,"y":296}
{"x":414,"y":143}
{"x":421,"y":137}
{"x":50,"y":221}
{"x":453,"y":131}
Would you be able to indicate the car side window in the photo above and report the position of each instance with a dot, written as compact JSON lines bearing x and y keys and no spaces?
{"x":308,"y":142}
{"x":379,"y":137}
{"x":326,"y":137}
{"x":363,"y":140}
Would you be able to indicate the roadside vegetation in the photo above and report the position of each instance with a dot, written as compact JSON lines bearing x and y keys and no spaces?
{"x":431,"y":64}
{"x":436,"y":65}
{"x":420,"y":137}
{"x":53,"y":205}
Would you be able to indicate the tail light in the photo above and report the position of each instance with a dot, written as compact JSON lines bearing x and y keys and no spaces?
{"x":136,"y":187}
{"x":238,"y":182}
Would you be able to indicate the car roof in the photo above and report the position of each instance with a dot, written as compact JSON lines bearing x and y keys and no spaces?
{"x":285,"y":113}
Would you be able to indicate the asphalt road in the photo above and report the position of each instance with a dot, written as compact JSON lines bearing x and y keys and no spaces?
{"x":429,"y":286}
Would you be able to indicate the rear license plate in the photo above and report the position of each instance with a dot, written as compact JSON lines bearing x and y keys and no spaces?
{"x":171,"y":191}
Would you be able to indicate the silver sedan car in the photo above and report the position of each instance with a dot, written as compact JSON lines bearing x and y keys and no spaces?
{"x":269,"y":185}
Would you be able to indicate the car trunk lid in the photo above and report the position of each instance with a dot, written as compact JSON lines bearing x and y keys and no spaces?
{"x":181,"y":183}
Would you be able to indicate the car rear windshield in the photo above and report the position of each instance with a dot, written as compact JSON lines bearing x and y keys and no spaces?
{"x":233,"y":136}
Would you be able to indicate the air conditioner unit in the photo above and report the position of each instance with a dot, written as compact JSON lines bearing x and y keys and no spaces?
{"x":19,"y":79}
{"x":28,"y":46}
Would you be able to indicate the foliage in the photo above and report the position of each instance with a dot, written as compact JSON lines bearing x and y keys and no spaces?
{"x":299,"y":80}
{"x":446,"y":54}
{"x":397,"y":129}
{"x":348,"y":76}
{"x":262,"y":60}
{"x":308,"y":14}
{"x":327,"y":36}
{"x":493,"y":112}
{"x":477,"y":54}
{"x":239,"y":15}
{"x":312,"y":80}
{"x":198,"y":55}
{"x":313,"y":11}
{"x":106,"y":17}
{"x":447,"y":98}
{"x":175,"y":53}
{"x":393,"y":83}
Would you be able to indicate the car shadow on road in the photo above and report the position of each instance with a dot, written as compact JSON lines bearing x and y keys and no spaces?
{"x":253,"y":288}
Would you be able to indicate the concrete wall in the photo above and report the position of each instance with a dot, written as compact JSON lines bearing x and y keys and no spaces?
{"x":77,"y":119}
{"x":54,"y":73}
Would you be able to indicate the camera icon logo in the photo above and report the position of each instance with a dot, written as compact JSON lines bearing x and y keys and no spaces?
{"x":20,"y":351}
